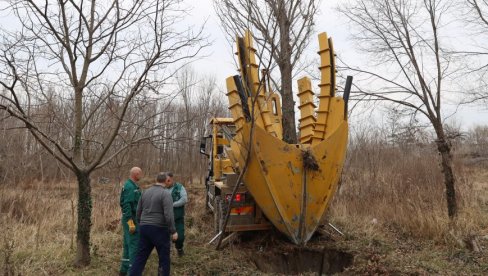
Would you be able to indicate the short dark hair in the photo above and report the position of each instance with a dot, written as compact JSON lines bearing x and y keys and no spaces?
{"x":170,"y":174}
{"x":161,"y":177}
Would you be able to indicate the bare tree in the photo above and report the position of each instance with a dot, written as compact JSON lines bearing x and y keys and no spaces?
{"x":406,"y":134}
{"x":293,"y":20}
{"x":413,"y":67}
{"x":476,"y":16}
{"x":102,"y":57}
{"x":186,"y":84}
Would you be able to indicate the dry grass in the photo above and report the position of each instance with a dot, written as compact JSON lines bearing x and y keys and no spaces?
{"x":404,"y":193}
{"x":391,"y":206}
{"x":39,"y":237}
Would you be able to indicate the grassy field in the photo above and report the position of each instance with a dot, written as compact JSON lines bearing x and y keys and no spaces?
{"x":394,"y":220}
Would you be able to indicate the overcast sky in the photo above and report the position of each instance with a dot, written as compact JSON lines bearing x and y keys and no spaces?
{"x":220,"y":63}
{"x":219,"y":59}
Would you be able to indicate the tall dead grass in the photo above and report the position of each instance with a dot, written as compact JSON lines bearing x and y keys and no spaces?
{"x":385,"y":190}
{"x":401,"y":190}
{"x":39,"y":232}
{"x":39,"y":222}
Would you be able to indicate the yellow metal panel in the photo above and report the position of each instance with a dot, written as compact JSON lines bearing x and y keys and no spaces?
{"x":336,"y":115}
{"x":262,"y":113}
{"x":219,"y":120}
{"x":250,"y":80}
{"x":235,"y":104}
{"x":308,"y":120}
{"x":226,"y":166}
{"x":280,"y":185}
{"x":307,"y":110}
{"x":278,"y":203}
{"x":232,"y":156}
{"x":222,"y":141}
{"x":258,"y":119}
{"x":292,"y":195}
{"x":333,"y":67}
{"x":221,"y":167}
{"x":235,"y":107}
{"x":327,"y":87}
{"x":252,"y":68}
{"x":216,"y":167}
{"x":322,"y":184}
{"x":274,"y":106}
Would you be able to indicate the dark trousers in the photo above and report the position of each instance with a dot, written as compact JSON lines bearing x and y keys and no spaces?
{"x":152,"y":236}
{"x":180,"y":229}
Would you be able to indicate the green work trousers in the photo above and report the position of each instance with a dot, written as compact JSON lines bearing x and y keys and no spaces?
{"x":130,"y":247}
{"x":180,"y":229}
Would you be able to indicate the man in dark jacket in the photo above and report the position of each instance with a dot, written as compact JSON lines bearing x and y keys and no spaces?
{"x":180,"y":198}
{"x":155,"y":217}
{"x":129,"y":197}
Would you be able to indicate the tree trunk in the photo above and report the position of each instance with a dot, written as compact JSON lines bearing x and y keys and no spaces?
{"x":288,"y":110}
{"x":288,"y":105}
{"x":84,"y":219}
{"x":444,"y":150}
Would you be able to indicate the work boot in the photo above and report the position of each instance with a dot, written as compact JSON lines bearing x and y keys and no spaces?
{"x":180,"y":252}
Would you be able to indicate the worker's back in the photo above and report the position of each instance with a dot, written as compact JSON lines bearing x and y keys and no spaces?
{"x":156,"y":208}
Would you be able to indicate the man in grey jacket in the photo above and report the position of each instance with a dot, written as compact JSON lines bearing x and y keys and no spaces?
{"x":156,"y":221}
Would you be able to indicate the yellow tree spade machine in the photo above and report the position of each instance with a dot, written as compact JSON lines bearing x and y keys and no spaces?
{"x":255,"y":179}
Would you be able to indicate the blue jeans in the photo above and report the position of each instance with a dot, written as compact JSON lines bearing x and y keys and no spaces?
{"x":152,"y":236}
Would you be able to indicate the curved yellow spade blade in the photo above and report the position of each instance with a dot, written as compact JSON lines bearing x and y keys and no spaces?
{"x":293,"y":198}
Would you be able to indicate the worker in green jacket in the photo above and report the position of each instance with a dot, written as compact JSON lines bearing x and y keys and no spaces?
{"x":180,"y":198}
{"x":129,"y":198}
